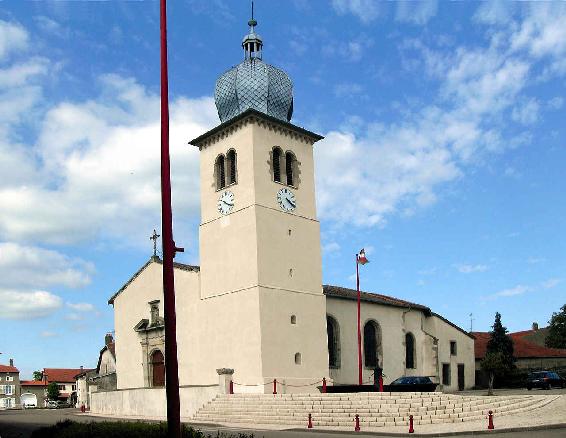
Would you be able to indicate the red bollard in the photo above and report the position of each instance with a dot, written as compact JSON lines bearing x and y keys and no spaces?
{"x":231,"y":387}
{"x":324,"y":385}
{"x":380,"y":384}
{"x":310,"y":422}
{"x":274,"y":386}
{"x":357,"y":427}
{"x":83,"y":409}
{"x":490,"y":421}
{"x":411,"y":430}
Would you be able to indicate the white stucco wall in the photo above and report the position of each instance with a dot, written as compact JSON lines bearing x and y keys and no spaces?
{"x":395,"y":323}
{"x":150,"y":402}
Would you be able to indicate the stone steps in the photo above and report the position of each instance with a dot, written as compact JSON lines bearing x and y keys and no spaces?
{"x":374,"y":410}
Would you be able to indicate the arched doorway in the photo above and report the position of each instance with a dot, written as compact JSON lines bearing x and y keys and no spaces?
{"x":373,"y":350}
{"x":158,"y":368}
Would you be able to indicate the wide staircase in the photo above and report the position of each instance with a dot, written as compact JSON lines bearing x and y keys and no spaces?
{"x":374,"y":409}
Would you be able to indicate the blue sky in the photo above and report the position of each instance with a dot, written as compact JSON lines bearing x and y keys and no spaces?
{"x":444,"y":152}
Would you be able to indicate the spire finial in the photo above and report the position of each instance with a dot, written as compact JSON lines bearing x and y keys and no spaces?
{"x":252,"y":23}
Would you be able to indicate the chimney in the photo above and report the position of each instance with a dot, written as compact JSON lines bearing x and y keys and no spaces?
{"x":11,"y":362}
{"x":535,"y":326}
{"x":81,"y":367}
{"x":108,"y":339}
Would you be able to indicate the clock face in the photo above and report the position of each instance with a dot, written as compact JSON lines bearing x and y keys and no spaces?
{"x":286,"y":199}
{"x":226,"y":202}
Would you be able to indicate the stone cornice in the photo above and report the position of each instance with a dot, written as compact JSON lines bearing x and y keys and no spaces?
{"x":252,"y":116}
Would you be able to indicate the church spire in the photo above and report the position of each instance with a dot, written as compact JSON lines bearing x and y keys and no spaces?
{"x":252,"y":43}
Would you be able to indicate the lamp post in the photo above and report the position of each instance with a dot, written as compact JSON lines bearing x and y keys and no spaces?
{"x":360,"y":260}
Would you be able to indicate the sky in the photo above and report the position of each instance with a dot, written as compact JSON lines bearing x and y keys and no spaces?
{"x":443,"y":157}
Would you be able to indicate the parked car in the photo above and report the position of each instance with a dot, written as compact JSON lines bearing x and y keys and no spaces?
{"x":56,"y":404}
{"x":544,"y":380}
{"x":29,"y":405}
{"x":412,"y":383}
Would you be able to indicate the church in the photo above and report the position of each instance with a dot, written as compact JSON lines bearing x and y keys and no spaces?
{"x":256,"y":309}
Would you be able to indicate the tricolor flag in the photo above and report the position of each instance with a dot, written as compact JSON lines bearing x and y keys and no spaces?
{"x":362,"y":260}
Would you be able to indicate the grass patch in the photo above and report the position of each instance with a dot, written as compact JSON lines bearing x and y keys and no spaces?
{"x":121,"y":429}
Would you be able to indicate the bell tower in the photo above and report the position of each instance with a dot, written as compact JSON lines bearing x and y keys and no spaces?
{"x":261,"y":273}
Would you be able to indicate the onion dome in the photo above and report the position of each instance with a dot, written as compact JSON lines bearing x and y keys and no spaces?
{"x":254,"y":84}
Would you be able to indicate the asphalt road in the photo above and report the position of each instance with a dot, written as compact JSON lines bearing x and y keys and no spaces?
{"x":20,"y":424}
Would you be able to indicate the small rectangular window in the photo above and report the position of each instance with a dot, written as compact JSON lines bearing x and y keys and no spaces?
{"x":453,"y":350}
{"x":446,"y":374}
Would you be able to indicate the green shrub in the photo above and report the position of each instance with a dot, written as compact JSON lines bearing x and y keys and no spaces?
{"x":109,"y":429}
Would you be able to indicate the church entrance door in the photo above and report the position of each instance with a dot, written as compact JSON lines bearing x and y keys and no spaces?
{"x":158,"y":368}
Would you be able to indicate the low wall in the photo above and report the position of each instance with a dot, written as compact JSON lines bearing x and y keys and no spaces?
{"x":150,"y":402}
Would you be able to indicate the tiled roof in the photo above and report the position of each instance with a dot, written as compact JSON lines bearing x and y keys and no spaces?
{"x":521,"y":347}
{"x":32,"y":383}
{"x":8,"y":369}
{"x":351,"y":294}
{"x":62,"y":375}
{"x":176,"y":265}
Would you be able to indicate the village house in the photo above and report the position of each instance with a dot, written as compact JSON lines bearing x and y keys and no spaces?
{"x":9,"y":386}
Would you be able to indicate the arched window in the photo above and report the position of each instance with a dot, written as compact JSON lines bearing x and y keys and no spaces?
{"x":333,"y":334}
{"x":290,"y":168}
{"x":220,"y":173}
{"x":231,"y":158}
{"x":276,"y":163}
{"x":409,"y":350}
{"x":372,"y":345}
{"x":157,"y":368}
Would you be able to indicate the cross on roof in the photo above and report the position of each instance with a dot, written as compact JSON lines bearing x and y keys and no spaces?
{"x":154,"y":237}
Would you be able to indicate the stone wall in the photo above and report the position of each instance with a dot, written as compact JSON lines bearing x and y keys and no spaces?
{"x":150,"y":402}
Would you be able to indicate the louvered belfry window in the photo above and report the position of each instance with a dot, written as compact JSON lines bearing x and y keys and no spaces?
{"x":289,"y":167}
{"x":277,"y":164}
{"x":231,"y":158}
{"x":220,"y":173}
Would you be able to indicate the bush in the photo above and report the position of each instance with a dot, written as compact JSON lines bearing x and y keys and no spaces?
{"x":123,"y":429}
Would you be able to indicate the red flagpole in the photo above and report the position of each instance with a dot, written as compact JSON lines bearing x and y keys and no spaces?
{"x":359,"y":322}
{"x":169,"y":249}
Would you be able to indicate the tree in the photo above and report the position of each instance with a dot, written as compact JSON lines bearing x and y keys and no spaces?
{"x":52,"y":391}
{"x":499,"y":355}
{"x":556,"y":337}
{"x":37,"y":375}
{"x":492,"y":364}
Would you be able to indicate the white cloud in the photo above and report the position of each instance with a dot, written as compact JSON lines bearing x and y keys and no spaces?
{"x":13,"y":38}
{"x":511,"y":292}
{"x":494,"y":12}
{"x":377,"y":170}
{"x":100,"y":171}
{"x":48,"y":334}
{"x":365,"y":10}
{"x":81,"y":307}
{"x":469,"y":269}
{"x":416,"y":12}
{"x":550,"y":283}
{"x":556,"y":102}
{"x":347,"y":89}
{"x":330,"y":247}
{"x":526,"y":113}
{"x":535,"y":260}
{"x":29,"y":267}
{"x":27,"y":305}
{"x":522,"y":289}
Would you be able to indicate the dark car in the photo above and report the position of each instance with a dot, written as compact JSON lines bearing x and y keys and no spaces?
{"x":412,"y":383}
{"x":544,"y":380}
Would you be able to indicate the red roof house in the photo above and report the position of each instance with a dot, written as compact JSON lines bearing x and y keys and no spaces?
{"x":527,"y":353}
